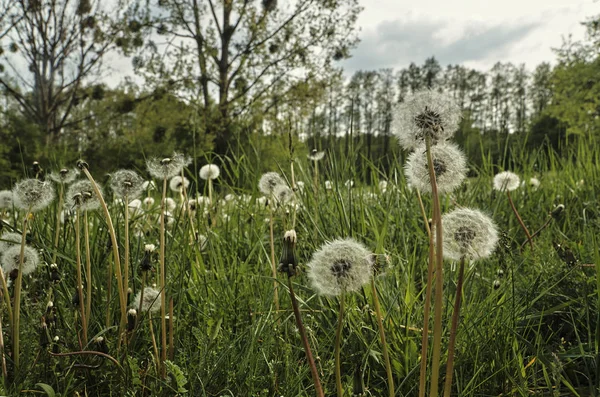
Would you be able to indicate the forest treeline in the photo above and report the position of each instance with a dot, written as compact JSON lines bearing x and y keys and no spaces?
{"x":245,"y":78}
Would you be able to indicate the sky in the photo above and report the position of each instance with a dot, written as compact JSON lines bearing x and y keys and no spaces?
{"x":474,"y":33}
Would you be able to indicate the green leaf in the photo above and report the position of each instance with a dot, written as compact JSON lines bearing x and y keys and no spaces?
{"x":47,"y":388}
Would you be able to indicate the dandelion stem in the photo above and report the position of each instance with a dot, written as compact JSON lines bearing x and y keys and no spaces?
{"x":163,"y":300}
{"x":386,"y":357}
{"x":154,"y":345}
{"x":338,"y":337}
{"x":273,"y":263}
{"x":126,"y":259}
{"x":171,"y":331}
{"x":454,"y":328}
{"x":439,"y":280}
{"x":57,"y":231}
{"x":88,"y":268}
{"x":115,"y":247}
{"x":17,"y":308}
{"x":309,"y":356}
{"x":6,"y":296}
{"x":2,"y":356}
{"x":79,"y":277}
{"x":512,"y":205}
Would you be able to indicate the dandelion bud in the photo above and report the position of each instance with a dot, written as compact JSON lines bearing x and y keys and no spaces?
{"x":146,"y":262}
{"x":497,"y":284}
{"x":101,"y":345}
{"x":55,"y":346}
{"x":209,"y":171}
{"x":82,"y":165}
{"x":129,"y":292}
{"x":342,"y":265}
{"x":44,"y":337}
{"x":557,"y":211}
{"x":288,"y":262}
{"x":500,"y":273}
{"x":54,"y":273}
{"x":131,"y":319}
{"x":328,"y":185}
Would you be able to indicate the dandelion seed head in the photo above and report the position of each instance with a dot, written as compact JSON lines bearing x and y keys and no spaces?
{"x":82,"y":195}
{"x":8,"y":239}
{"x":534,"y":183}
{"x":468,"y":233}
{"x":148,"y":202}
{"x":32,"y":194}
{"x":12,"y":256}
{"x":300,"y":185}
{"x":6,"y":199}
{"x":283,"y":194}
{"x":269,"y":181}
{"x":135,"y":206}
{"x":126,"y":183}
{"x":167,"y":167}
{"x":342,"y":265}
{"x":209,"y":171}
{"x":328,"y":185}
{"x":506,"y":181}
{"x":316,"y":155}
{"x":383,"y":186}
{"x":64,"y":175}
{"x":425,"y":114}
{"x":449,"y":164}
{"x":149,"y":247}
{"x":170,"y":204}
{"x":151,"y":300}
{"x":179,"y":183}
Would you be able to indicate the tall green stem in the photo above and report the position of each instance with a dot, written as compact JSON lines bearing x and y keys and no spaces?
{"x":386,"y":357}
{"x":163,"y":298}
{"x":126,"y":259}
{"x":454,"y":328}
{"x":273,"y":263}
{"x":338,"y":340}
{"x":57,"y":226}
{"x":17,"y":308}
{"x":79,"y":277}
{"x":88,"y":269}
{"x":439,"y":279}
{"x":512,"y":205}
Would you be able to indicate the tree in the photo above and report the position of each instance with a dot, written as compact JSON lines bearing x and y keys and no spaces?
{"x":56,"y":46}
{"x":233,"y":53}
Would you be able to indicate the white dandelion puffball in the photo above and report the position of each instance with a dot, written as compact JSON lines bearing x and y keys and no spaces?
{"x":383,"y":186}
{"x":8,"y":239}
{"x":468,"y":233}
{"x":82,"y":195}
{"x":64,"y":176}
{"x":32,"y":195}
{"x":283,"y":194}
{"x":534,"y":183}
{"x":425,"y":114}
{"x":506,"y":181}
{"x":135,"y":206}
{"x":449,"y":164}
{"x":126,"y":183}
{"x":328,"y":185}
{"x":148,"y":202}
{"x":269,"y":181}
{"x":148,"y":185}
{"x":170,"y":204}
{"x":342,"y":265}
{"x":178,"y":183}
{"x":316,"y":155}
{"x":168,"y":167}
{"x":12,"y":257}
{"x":210,"y":171}
{"x":300,"y":185}
{"x":151,"y":300}
{"x":6,"y":199}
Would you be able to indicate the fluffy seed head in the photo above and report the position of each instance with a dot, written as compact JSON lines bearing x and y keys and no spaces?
{"x":210,"y":171}
{"x":269,"y":181}
{"x":283,"y":194}
{"x":506,"y":181}
{"x":315,"y":155}
{"x":425,"y":114}
{"x":134,"y":206}
{"x":7,"y":240}
{"x":151,"y":300}
{"x":11,"y":258}
{"x":170,"y":204}
{"x":449,"y":164}
{"x":534,"y":183}
{"x":127,"y":183}
{"x":83,"y":196}
{"x":167,"y":167}
{"x":148,"y":202}
{"x":64,"y":176}
{"x":328,"y":185}
{"x":342,"y":265}
{"x":32,"y":194}
{"x":178,"y":184}
{"x":148,"y":185}
{"x":6,"y":199}
{"x":468,"y":233}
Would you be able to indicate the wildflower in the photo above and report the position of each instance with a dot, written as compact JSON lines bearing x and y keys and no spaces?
{"x":269,"y":181}
{"x":178,"y":183}
{"x":151,"y":300}
{"x":65,"y":176}
{"x":148,"y":185}
{"x":449,"y":164}
{"x":209,"y":171}
{"x":127,"y":183}
{"x":82,"y":195}
{"x":315,"y":155}
{"x":425,"y":114}
{"x":131,"y":319}
{"x":32,"y":194}
{"x":12,"y":257}
{"x":148,"y":202}
{"x":134,"y":206}
{"x":168,"y":167}
{"x":342,"y":265}
{"x":328,"y":185}
{"x":506,"y":181}
{"x":170,"y":204}
{"x":468,"y":234}
{"x":8,"y":239}
{"x":6,"y":199}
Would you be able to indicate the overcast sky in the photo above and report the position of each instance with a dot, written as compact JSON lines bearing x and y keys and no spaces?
{"x":475,"y":33}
